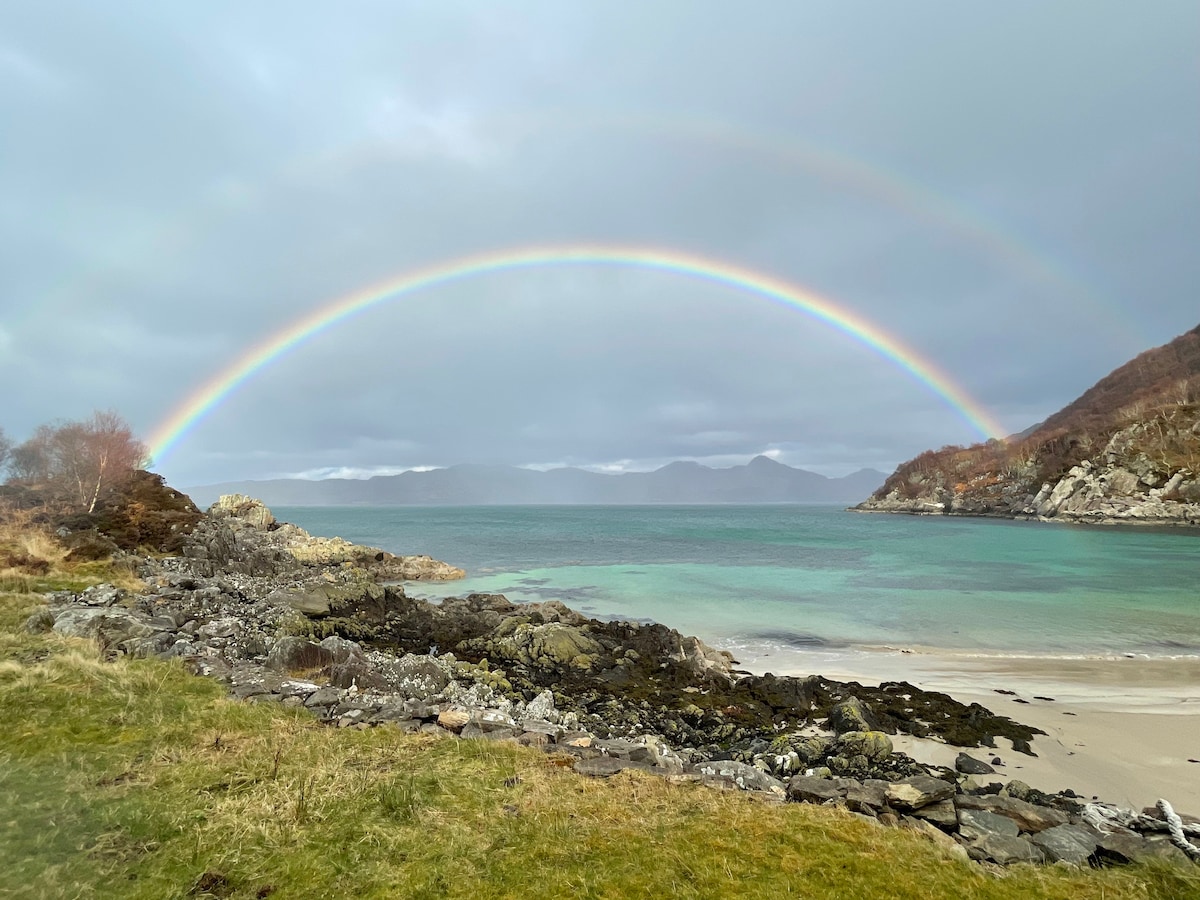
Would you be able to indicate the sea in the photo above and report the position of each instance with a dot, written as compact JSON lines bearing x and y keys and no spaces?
{"x":769,"y":580}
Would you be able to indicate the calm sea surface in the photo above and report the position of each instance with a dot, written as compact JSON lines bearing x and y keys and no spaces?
{"x":807,"y":577}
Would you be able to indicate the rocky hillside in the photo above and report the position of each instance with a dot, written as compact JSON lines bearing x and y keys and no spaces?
{"x":1126,"y":451}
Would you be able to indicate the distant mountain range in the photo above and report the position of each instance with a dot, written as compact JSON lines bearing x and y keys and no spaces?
{"x":762,"y":480}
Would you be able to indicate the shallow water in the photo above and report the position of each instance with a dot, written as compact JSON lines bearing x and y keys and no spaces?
{"x":762,"y":579}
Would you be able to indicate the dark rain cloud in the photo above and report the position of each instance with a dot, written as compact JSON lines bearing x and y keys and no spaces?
{"x":1012,"y":192}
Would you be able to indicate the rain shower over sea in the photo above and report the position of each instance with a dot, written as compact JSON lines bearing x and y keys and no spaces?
{"x":789,"y":581}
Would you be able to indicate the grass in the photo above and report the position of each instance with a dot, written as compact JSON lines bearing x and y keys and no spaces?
{"x":134,"y":779}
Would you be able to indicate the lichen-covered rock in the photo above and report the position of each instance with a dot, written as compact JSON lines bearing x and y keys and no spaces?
{"x":246,"y":512}
{"x":852,"y":715}
{"x":873,"y":745}
{"x":743,"y":776}
{"x":553,"y":646}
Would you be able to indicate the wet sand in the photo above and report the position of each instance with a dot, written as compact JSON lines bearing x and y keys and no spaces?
{"x":1120,"y":729}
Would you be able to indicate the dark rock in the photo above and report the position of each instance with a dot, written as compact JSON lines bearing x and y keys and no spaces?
{"x":342,"y":649}
{"x":941,"y":814}
{"x":296,"y":654}
{"x":326,"y":696}
{"x":358,"y":672}
{"x":969,"y":765}
{"x":1066,"y":843}
{"x":811,"y":789}
{"x":1004,"y":849}
{"x":869,"y":797}
{"x":475,"y":730}
{"x":1121,"y":846}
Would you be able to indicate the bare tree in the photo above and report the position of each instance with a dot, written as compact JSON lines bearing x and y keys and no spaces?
{"x":112,"y":452}
{"x":31,"y":462}
{"x":6,"y":446}
{"x":80,"y":459}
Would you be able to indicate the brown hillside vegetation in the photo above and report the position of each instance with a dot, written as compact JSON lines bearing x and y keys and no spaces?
{"x":1158,"y":377}
{"x":1136,"y":433}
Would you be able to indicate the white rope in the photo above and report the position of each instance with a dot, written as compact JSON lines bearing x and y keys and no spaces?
{"x":1175,"y":826}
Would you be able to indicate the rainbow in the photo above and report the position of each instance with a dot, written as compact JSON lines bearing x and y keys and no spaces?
{"x":167,"y":434}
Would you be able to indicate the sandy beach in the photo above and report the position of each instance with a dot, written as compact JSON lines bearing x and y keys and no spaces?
{"x":1125,"y":730}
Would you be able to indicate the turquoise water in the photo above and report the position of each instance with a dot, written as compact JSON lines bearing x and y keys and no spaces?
{"x":810,"y":577}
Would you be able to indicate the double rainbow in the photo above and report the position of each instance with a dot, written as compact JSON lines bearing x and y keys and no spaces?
{"x":167,"y":434}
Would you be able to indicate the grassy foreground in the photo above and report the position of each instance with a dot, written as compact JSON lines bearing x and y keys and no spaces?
{"x":134,"y":779}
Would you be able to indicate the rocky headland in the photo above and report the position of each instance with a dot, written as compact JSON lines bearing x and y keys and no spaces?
{"x":280,"y":616}
{"x":1126,"y":452}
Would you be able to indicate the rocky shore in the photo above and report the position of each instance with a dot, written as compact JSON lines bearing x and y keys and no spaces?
{"x":1118,"y":487}
{"x":283,"y":617}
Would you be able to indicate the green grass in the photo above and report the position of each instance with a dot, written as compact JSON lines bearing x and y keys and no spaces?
{"x":133,"y":779}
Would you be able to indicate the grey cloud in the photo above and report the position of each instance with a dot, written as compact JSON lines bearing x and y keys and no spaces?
{"x":1011,"y":192}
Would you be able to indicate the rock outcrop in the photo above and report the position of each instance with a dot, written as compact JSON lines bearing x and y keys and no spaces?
{"x":1126,"y":452}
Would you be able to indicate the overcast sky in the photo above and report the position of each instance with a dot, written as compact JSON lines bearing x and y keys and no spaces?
{"x":1012,"y":190}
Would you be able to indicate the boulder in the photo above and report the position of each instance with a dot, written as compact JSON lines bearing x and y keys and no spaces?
{"x":326,"y":696}
{"x":969,"y":765}
{"x":1004,"y":849}
{"x":974,"y":824}
{"x":746,"y":777}
{"x":415,"y":676}
{"x":1066,"y":843}
{"x":852,"y":715}
{"x":453,"y":719}
{"x":604,"y":766}
{"x":296,"y":654}
{"x":942,"y":814}
{"x":245,"y":511}
{"x":341,"y":648}
{"x":874,"y":745}
{"x":116,"y":629}
{"x":935,"y":836}
{"x":553,"y":647}
{"x":812,"y":789}
{"x":40,"y":622}
{"x":319,"y":599}
{"x":917,"y":791}
{"x":869,"y":797}
{"x":1028,"y":817}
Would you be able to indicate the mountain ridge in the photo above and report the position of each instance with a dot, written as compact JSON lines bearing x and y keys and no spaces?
{"x":762,"y":480}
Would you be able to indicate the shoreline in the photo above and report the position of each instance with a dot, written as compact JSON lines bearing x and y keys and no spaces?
{"x":1122,"y":729}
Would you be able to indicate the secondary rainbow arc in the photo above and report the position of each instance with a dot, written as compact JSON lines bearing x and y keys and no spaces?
{"x":166,"y":436}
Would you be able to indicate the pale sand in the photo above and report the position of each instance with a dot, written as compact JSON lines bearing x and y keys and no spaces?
{"x":1119,"y":729}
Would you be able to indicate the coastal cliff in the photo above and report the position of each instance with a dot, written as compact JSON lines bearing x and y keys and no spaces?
{"x":1126,"y":452}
